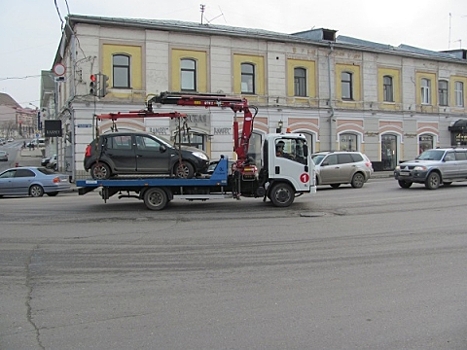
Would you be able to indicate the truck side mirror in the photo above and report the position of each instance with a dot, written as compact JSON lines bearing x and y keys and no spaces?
{"x":162,"y":148}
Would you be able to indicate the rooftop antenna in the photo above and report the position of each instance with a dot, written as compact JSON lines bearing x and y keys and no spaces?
{"x":202,"y":7}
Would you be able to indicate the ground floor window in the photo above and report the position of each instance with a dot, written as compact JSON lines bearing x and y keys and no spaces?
{"x":425,"y":142}
{"x":192,"y":139}
{"x":348,"y":142}
{"x":389,"y":151}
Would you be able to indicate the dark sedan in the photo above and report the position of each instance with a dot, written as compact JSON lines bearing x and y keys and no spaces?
{"x":32,"y":181}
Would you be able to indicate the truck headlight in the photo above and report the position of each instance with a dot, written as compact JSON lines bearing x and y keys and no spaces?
{"x":420,"y":167}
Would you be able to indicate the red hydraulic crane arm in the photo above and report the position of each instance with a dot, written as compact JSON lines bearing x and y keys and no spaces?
{"x":237,"y":104}
{"x":138,"y":114}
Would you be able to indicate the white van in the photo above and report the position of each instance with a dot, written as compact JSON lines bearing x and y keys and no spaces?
{"x":41,"y":143}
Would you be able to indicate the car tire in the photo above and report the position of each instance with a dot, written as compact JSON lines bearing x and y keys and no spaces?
{"x":282,"y":195}
{"x":52,"y":194}
{"x":183,"y":170}
{"x":155,"y":198}
{"x":357,"y":180}
{"x":432,"y":181}
{"x":36,"y":191}
{"x":405,"y":184}
{"x":335,"y":185}
{"x":100,"y":171}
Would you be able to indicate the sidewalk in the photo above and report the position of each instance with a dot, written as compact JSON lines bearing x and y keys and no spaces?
{"x":27,"y":157}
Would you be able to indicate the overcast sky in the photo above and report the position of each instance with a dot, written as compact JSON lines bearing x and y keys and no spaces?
{"x":30,"y":29}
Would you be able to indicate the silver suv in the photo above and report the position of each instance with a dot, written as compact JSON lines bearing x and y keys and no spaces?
{"x":433,"y":168}
{"x":341,"y":167}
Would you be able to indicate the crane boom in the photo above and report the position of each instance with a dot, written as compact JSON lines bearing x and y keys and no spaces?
{"x":237,"y":104}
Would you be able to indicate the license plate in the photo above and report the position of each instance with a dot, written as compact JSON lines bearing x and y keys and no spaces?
{"x":404,"y":173}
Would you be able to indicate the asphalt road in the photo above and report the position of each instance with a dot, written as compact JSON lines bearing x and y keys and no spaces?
{"x":372,"y":268}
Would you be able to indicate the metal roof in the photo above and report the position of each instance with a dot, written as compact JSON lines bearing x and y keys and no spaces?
{"x":312,"y":36}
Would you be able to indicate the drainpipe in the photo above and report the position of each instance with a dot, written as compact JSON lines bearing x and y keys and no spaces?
{"x":331,"y":111}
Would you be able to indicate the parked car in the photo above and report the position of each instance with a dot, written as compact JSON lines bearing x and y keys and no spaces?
{"x":52,"y":163}
{"x":2,"y":141}
{"x":32,"y":181}
{"x":129,"y":153}
{"x":342,"y":167}
{"x":11,"y":139}
{"x":45,"y":161}
{"x":433,"y":168}
{"x":212,"y":166}
{"x":4,"y":156}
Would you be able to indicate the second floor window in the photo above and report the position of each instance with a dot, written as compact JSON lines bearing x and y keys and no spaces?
{"x":248,"y":78}
{"x":459,"y":94}
{"x":347,"y":89}
{"x":121,"y":71}
{"x":443,"y":92}
{"x":425,"y":91}
{"x":300,"y":82}
{"x":188,"y":75}
{"x":388,"y":89}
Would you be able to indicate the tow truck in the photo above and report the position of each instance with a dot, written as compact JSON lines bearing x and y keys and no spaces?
{"x":279,"y":179}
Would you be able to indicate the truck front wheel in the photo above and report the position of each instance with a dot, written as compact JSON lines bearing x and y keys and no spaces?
{"x":282,"y":195}
{"x":155,"y":198}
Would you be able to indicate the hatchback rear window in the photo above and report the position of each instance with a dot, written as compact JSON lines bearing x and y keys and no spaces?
{"x":356,"y":157}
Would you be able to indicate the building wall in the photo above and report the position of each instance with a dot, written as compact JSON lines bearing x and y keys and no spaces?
{"x":322,"y":114}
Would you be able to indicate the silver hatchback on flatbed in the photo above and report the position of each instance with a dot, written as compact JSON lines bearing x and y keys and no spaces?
{"x":433,"y":168}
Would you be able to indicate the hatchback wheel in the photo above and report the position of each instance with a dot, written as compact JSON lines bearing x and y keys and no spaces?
{"x":183,"y":170}
{"x":100,"y":171}
{"x":36,"y":191}
{"x":358,"y":180}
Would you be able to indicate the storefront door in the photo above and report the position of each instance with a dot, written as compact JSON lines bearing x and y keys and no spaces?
{"x":389,"y":151}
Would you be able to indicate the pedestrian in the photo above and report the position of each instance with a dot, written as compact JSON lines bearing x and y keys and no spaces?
{"x":24,"y":144}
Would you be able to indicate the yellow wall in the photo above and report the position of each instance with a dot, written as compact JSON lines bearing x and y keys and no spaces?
{"x":136,"y":66}
{"x":357,"y":86}
{"x":201,"y":68}
{"x":433,"y":87}
{"x":396,"y":81}
{"x":310,"y":79}
{"x":258,"y":62}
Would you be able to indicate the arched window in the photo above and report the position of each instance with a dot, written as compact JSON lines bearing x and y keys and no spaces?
{"x":388,"y":89}
{"x":121,"y":71}
{"x":347,"y":88}
{"x":300,"y":82}
{"x":348,"y":142}
{"x":425,"y":142}
{"x":188,"y":75}
{"x":248,"y":78}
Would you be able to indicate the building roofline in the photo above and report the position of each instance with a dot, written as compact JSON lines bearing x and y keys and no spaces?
{"x":342,"y":42}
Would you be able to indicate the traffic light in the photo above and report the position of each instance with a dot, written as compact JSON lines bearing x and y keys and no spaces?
{"x":93,"y":85}
{"x":39,"y":122}
{"x":103,"y":85}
